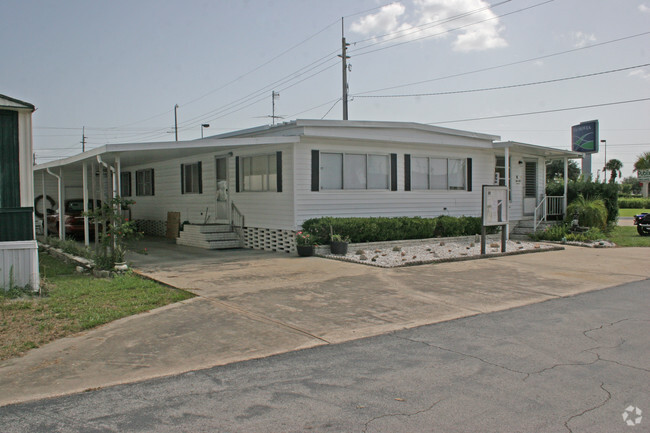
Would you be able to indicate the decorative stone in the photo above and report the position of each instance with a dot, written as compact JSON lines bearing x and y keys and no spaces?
{"x":442,"y":244}
{"x":363,"y":257}
{"x":397,"y":249}
{"x":494,"y":245}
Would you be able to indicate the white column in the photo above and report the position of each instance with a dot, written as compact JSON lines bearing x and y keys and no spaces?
{"x":44,"y":205}
{"x":118,"y":175}
{"x":85,"y":198}
{"x":566,"y":187}
{"x":61,"y":206}
{"x":507,"y":176}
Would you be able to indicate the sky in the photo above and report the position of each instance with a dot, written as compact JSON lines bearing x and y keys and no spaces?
{"x":526,"y":70}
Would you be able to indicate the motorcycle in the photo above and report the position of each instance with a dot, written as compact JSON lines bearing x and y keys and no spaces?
{"x":642,"y":223}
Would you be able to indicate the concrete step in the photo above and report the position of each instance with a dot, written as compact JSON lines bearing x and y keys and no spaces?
{"x":209,"y":236}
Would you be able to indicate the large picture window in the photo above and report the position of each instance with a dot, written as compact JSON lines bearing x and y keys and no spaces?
{"x":438,"y":173}
{"x":354,"y":171}
{"x":259,"y":173}
{"x":144,"y":182}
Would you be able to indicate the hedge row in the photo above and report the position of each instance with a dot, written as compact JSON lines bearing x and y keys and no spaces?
{"x":608,"y":192}
{"x":634,"y":203}
{"x":378,"y":229}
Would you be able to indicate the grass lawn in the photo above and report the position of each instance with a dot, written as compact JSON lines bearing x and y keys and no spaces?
{"x":631,"y":212}
{"x":73,"y":302}
{"x":628,"y":237}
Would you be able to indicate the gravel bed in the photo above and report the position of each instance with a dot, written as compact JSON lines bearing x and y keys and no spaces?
{"x":442,"y":251}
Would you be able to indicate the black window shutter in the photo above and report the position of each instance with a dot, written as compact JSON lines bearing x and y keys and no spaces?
{"x":182,"y":178}
{"x":236,"y":174}
{"x":393,"y":172}
{"x":315,"y":170}
{"x":407,"y":172}
{"x":278,"y":162}
{"x":469,"y":174}
{"x":200,"y":179}
{"x":153,"y":191}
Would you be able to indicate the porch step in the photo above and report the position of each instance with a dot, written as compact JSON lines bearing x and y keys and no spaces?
{"x":209,"y":236}
{"x":525,"y":227}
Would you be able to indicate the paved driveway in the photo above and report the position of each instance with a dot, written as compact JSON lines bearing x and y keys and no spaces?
{"x":253,"y":304}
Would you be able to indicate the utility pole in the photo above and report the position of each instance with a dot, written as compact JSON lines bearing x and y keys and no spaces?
{"x":605,"y":167}
{"x":344,"y":57}
{"x":274,"y":95}
{"x":176,"y":121}
{"x":83,"y":139}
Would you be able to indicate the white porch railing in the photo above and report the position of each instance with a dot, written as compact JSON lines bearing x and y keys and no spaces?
{"x":549,"y":206}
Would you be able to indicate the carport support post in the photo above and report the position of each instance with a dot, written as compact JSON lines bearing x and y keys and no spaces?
{"x":506,"y":228}
{"x":94,"y":202}
{"x":44,"y":206}
{"x":565,"y":199}
{"x":61,"y":207}
{"x":85,"y":198}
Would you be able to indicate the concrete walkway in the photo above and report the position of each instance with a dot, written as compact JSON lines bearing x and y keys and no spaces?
{"x":254,"y":304}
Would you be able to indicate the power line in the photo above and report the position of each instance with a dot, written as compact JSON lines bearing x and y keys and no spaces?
{"x":485,"y":89}
{"x":443,"y":32}
{"x":540,"y":112}
{"x":490,"y":68}
{"x":427,"y":25}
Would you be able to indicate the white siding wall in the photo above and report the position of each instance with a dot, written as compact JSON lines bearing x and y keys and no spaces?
{"x":391,"y":203}
{"x":273,"y":210}
{"x":167,"y":191}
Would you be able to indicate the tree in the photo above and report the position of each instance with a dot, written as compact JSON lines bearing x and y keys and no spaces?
{"x":615,"y":166}
{"x":555,"y":169}
{"x":631,"y":185}
{"x":642,"y":162}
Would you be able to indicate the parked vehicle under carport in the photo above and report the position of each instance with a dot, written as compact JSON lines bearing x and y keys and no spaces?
{"x":73,"y":218}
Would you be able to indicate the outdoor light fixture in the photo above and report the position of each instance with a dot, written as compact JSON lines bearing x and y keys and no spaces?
{"x":204,"y":125}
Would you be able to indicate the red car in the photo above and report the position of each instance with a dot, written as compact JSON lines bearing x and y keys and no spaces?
{"x":73,"y":218}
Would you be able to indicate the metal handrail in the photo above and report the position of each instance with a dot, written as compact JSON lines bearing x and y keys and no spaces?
{"x":550,"y":206}
{"x":237,"y":221}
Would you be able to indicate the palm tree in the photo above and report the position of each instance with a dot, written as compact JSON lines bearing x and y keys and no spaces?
{"x":642,"y":162}
{"x":615,"y":166}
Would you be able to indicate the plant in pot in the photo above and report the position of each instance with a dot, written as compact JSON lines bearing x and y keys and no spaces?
{"x":305,"y":244}
{"x":339,"y":244}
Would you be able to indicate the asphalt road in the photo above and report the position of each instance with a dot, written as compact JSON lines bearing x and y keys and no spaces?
{"x":565,"y":365}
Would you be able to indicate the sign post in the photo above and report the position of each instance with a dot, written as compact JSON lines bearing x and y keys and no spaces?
{"x":494,"y":212}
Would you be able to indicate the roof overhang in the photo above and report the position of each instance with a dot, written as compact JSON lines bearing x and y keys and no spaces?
{"x":543,"y":151}
{"x":144,"y":153}
{"x":7,"y":102}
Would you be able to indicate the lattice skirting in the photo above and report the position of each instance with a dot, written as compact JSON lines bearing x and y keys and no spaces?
{"x":270,"y":239}
{"x":152,"y":227}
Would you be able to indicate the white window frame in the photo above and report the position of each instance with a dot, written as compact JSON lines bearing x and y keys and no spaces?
{"x":191,"y":171}
{"x":269,"y":178}
{"x":433,"y":187}
{"x":365,"y":172}
{"x":142,"y":186}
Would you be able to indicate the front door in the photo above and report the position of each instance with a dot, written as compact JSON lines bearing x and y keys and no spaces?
{"x":223,"y":194}
{"x":530,"y":187}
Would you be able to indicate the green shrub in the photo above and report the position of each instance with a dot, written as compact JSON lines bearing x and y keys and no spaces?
{"x":591,"y":212}
{"x":608,"y":192}
{"x":553,"y":233}
{"x":379,"y":229}
{"x":634,"y":203}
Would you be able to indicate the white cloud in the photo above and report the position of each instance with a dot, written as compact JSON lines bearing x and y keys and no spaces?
{"x":641,"y":73}
{"x":434,"y":18}
{"x":644,"y":8}
{"x":581,"y":39}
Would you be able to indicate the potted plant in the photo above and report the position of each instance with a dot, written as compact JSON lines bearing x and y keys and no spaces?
{"x":339,"y":244}
{"x":305,"y":244}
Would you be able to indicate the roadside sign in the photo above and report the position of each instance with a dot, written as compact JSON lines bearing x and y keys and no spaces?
{"x":643,"y":175}
{"x":584,"y":137}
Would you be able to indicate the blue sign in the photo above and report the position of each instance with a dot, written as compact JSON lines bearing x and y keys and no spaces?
{"x":584,"y":137}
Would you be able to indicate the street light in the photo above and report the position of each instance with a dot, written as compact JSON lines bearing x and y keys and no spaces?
{"x":204,"y":125}
{"x":605,"y":167}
